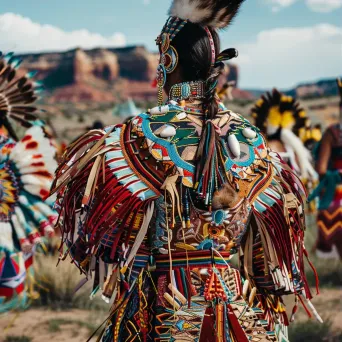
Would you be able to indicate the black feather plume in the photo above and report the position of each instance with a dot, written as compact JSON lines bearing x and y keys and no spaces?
{"x":16,"y":93}
{"x":214,"y":13}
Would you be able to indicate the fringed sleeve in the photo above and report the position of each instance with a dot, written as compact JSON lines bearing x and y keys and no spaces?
{"x":273,"y":252}
{"x":105,"y":207}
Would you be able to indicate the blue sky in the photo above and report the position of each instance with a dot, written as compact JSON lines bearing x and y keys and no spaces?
{"x":281,"y":42}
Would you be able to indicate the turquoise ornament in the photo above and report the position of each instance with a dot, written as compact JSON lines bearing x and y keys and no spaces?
{"x":185,"y":90}
{"x":219,"y":216}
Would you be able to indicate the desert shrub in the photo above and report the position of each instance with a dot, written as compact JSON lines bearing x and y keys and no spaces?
{"x":329,"y":272}
{"x":56,"y":286}
{"x":55,"y":325}
{"x":12,"y":338}
{"x":313,"y":332}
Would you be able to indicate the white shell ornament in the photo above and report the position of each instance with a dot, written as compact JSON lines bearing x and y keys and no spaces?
{"x":249,"y":133}
{"x":168,"y":131}
{"x":181,"y":116}
{"x":234,"y":145}
{"x":159,"y":110}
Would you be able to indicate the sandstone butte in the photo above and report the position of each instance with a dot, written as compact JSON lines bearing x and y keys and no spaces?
{"x":102,"y":74}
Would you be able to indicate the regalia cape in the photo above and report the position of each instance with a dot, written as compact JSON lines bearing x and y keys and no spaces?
{"x":142,"y":198}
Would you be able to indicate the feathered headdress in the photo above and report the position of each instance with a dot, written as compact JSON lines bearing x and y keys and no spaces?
{"x":276,"y":110}
{"x":17,"y":94}
{"x":213,"y":13}
{"x":210,"y":14}
{"x":276,"y":113}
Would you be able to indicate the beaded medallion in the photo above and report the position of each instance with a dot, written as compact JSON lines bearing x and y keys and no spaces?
{"x":188,"y":91}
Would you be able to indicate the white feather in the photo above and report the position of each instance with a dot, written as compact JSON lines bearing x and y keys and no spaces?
{"x":6,"y":241}
{"x":217,"y":20}
{"x":187,"y":9}
{"x":21,"y":217}
{"x":18,"y":227}
{"x":27,"y":163}
{"x":45,"y":209}
{"x":36,"y":180}
{"x":303,"y":155}
{"x":272,"y":129}
{"x":33,"y":189}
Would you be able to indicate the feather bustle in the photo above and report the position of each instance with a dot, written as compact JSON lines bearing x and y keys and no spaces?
{"x":16,"y":93}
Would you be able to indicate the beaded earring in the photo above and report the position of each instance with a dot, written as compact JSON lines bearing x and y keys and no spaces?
{"x":168,"y":54}
{"x":161,"y":79}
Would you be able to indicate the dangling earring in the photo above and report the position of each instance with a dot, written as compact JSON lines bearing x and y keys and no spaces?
{"x":161,"y":80}
{"x":168,"y":62}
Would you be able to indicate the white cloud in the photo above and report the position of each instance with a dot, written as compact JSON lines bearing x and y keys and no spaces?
{"x":21,"y":34}
{"x":279,"y":4}
{"x":324,"y":6}
{"x":146,"y":2}
{"x":285,"y":56}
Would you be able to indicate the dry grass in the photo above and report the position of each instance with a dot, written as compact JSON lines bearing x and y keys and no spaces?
{"x":12,"y":338}
{"x":314,"y":332}
{"x":56,"y":286}
{"x":55,"y":325}
{"x":42,"y":324}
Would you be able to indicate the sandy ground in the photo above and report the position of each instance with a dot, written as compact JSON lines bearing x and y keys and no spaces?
{"x":44,"y":325}
{"x":72,"y":120}
{"x":328,"y":304}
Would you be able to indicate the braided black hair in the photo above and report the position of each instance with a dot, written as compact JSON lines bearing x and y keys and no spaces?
{"x":194,"y":53}
{"x":210,"y":104}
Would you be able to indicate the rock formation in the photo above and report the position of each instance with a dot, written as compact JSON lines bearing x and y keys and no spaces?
{"x":102,"y":75}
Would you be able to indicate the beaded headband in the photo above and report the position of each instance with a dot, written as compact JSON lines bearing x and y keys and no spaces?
{"x":172,"y":26}
{"x":212,"y":46}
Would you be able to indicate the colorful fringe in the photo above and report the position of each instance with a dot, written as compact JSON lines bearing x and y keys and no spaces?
{"x":158,"y":247}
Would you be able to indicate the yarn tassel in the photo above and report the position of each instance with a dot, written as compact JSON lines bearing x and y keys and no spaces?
{"x":208,"y":328}
{"x":313,"y":269}
{"x":294,"y":310}
{"x":209,"y":160}
{"x":304,"y":306}
{"x":110,"y":286}
{"x":220,"y":323}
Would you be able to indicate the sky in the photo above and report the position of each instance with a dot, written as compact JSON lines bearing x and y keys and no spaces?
{"x":281,"y":42}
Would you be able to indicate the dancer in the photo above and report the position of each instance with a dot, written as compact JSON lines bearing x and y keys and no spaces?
{"x":283,"y":121}
{"x":310,"y":135}
{"x":225,"y":92}
{"x":329,"y":168}
{"x":154,"y":209}
{"x":26,"y":169}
